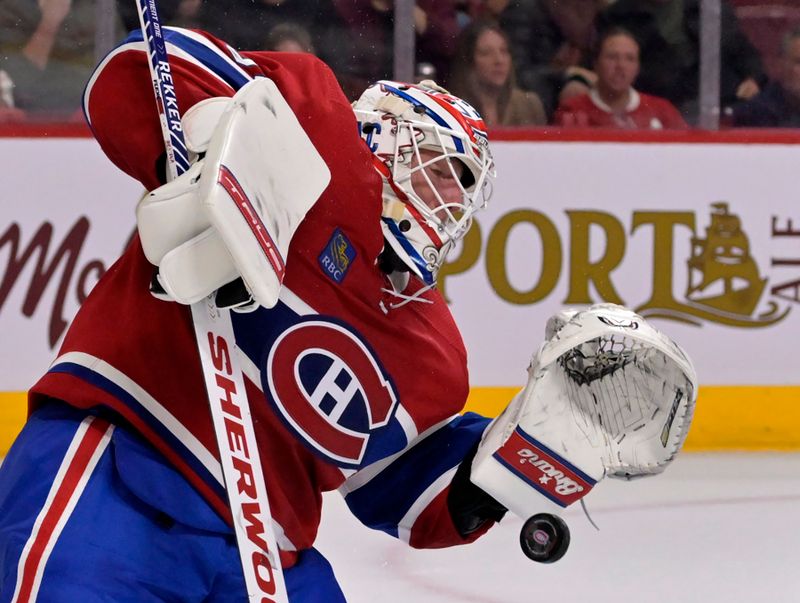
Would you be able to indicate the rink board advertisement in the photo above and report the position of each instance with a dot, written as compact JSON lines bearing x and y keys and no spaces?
{"x":702,"y":238}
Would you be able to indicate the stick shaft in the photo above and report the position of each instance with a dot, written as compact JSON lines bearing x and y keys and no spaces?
{"x":230,"y":411}
{"x":241,"y":463}
{"x":163,"y":88}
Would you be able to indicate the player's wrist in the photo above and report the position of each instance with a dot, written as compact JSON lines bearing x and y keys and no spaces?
{"x":471,"y":507}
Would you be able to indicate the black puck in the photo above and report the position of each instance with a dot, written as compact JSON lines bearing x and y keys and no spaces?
{"x":544,"y":538}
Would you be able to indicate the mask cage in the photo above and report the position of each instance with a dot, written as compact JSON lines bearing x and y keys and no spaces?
{"x":450,"y":218}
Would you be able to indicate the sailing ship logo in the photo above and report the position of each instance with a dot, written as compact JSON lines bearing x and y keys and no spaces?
{"x":722,"y":273}
{"x":724,"y":283}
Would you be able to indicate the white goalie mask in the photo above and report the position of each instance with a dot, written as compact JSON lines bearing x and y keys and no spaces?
{"x":420,"y":135}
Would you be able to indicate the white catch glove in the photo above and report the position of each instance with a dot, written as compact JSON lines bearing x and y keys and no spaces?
{"x":236,"y":210}
{"x":607,"y":395}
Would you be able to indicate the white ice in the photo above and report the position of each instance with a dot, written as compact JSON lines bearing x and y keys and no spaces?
{"x":713,"y":528}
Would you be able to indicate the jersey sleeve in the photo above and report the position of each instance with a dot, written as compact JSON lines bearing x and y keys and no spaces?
{"x":121,"y":109}
{"x":406,"y":495}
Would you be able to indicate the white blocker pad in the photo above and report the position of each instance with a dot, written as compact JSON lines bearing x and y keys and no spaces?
{"x":177,"y":237}
{"x":607,"y":395}
{"x":261,"y":175}
{"x":171,"y":215}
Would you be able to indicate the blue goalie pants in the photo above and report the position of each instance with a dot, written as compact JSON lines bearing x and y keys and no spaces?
{"x":91,"y":513}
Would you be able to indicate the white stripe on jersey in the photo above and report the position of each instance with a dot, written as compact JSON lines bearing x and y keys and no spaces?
{"x":294,"y":303}
{"x":366,"y":475}
{"x":45,"y":533}
{"x":150,"y":404}
{"x":405,"y":525}
{"x":232,"y":63}
{"x":173,"y":50}
{"x":407,"y":423}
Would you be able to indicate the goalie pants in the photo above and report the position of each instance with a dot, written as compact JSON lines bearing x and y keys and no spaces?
{"x":74,"y":525}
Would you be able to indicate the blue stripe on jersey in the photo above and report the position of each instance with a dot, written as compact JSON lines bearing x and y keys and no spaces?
{"x":422,"y":265}
{"x":383,"y":501}
{"x":211,"y":59}
{"x":428,"y":112}
{"x":129,"y":401}
{"x":254,"y":329}
{"x":255,"y":333}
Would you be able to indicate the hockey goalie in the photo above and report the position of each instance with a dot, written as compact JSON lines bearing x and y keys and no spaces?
{"x":354,"y":370}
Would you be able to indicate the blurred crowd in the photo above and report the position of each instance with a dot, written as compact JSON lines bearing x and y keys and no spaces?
{"x":630,"y":64}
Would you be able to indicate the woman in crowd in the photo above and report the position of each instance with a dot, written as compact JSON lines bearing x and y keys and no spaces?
{"x":483,"y":75}
{"x":551,"y":42}
{"x":613,"y":102}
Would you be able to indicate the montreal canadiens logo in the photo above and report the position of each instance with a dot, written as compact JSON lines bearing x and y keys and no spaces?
{"x":329,"y":388}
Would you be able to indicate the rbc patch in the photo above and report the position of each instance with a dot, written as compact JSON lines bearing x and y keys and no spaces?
{"x":336,"y":258}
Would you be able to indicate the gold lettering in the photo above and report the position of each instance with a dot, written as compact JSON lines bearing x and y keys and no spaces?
{"x":581,"y":269}
{"x":664,"y":224}
{"x":496,"y":257}
{"x":662,"y":303}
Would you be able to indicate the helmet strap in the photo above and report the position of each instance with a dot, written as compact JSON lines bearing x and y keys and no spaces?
{"x":392,"y":104}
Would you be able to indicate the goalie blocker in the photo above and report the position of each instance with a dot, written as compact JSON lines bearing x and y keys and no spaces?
{"x":607,"y":395}
{"x":234,"y":212}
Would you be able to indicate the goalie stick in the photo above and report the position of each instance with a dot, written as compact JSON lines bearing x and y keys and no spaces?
{"x":230,"y":411}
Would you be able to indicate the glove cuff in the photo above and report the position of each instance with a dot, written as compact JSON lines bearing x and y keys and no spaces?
{"x":471,"y":507}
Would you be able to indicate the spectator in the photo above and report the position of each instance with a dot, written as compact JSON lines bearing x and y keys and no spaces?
{"x":668,"y":32}
{"x":8,"y":113}
{"x":289,"y":37}
{"x":483,"y":75}
{"x":244,"y":23}
{"x":187,"y":14}
{"x":778,"y":105}
{"x":170,"y":12}
{"x":367,"y":52}
{"x":551,"y":43}
{"x":613,"y":102}
{"x":47,"y":51}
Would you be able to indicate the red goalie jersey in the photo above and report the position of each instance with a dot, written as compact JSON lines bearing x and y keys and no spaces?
{"x":354,"y":398}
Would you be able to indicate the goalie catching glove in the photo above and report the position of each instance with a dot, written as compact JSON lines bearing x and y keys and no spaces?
{"x":607,"y":395}
{"x":234,"y":212}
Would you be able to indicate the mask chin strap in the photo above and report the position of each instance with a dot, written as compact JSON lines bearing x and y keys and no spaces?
{"x":399,"y":281}
{"x":405,"y":299}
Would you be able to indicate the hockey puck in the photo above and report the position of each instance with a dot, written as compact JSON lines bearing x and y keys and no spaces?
{"x":544,"y":538}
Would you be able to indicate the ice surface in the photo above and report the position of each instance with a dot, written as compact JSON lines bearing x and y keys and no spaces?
{"x":713,"y":528}
{"x":722,"y":527}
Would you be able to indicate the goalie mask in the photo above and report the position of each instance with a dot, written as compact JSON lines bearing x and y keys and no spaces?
{"x":433,"y":154}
